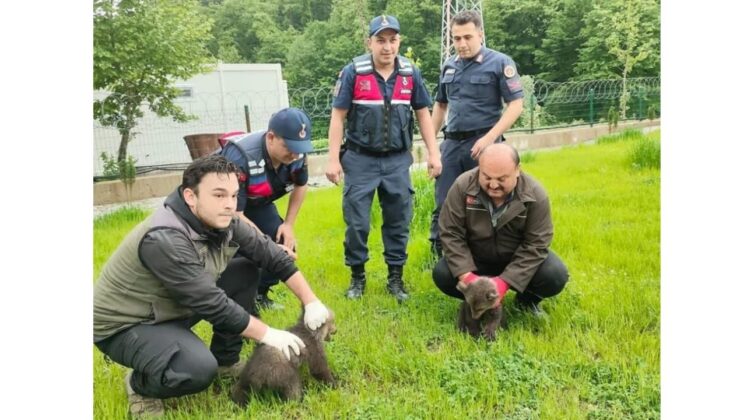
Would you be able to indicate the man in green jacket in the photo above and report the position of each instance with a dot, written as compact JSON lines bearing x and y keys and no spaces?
{"x":174,"y":269}
{"x":496,"y":222}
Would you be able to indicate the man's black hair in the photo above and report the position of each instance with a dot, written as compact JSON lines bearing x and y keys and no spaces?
{"x":467,"y":16}
{"x":200,"y":167}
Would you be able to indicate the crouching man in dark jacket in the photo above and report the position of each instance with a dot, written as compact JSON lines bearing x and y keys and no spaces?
{"x":174,"y":269}
{"x":496,"y":222}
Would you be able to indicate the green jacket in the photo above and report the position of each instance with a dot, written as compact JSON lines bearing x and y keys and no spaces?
{"x":520,"y":239}
{"x":167,"y":267}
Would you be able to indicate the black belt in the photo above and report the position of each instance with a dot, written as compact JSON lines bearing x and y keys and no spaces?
{"x":462,"y":135}
{"x":365,"y":151}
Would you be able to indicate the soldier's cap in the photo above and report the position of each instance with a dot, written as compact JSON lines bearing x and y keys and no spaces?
{"x":382,"y":22}
{"x":294,"y":126}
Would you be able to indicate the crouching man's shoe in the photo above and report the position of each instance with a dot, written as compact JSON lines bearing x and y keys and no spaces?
{"x":357,"y":282}
{"x":530,"y":306}
{"x":263,"y":301}
{"x":395,"y":283}
{"x":139,"y":406}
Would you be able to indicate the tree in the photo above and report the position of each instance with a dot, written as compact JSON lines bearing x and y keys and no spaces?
{"x":558,"y":55}
{"x":140,"y":47}
{"x":620,"y":36}
{"x":517,"y":29}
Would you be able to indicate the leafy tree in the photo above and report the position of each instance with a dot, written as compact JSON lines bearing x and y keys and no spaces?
{"x":621,"y":35}
{"x":558,"y":55}
{"x":420,"y":31}
{"x":140,"y":47}
{"x":517,"y":29}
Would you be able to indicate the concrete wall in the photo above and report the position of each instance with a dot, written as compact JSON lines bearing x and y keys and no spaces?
{"x":160,"y":185}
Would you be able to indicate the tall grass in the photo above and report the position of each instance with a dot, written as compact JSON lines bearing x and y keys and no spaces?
{"x":597,"y":356}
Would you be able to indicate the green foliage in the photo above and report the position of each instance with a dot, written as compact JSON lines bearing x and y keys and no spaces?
{"x":597,"y":357}
{"x":628,"y":134}
{"x":651,"y":112}
{"x":621,"y":39}
{"x":612,"y":118}
{"x":558,"y":55}
{"x":527,"y":157}
{"x":140,"y":47}
{"x":110,"y":165}
{"x":645,"y":153}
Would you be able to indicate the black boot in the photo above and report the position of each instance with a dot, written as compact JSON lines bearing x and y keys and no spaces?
{"x":395,"y":283}
{"x":262,"y":301}
{"x":529,"y":303}
{"x":357,"y":283}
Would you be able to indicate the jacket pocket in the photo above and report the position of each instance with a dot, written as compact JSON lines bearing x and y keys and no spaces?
{"x":479,"y":86}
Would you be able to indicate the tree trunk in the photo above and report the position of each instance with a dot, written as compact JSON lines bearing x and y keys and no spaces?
{"x":123,"y":146}
{"x":623,"y":99}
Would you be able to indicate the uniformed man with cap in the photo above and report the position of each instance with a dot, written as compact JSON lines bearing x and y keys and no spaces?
{"x":376,"y":94}
{"x":472,"y":85}
{"x":273,"y":163}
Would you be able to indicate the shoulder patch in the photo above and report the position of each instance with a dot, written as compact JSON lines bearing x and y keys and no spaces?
{"x":509,"y":71}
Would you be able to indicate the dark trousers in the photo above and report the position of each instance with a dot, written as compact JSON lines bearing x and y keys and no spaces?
{"x":168,"y":359}
{"x":548,"y":280}
{"x":455,"y":160}
{"x":268,"y":220}
{"x":389,"y":175}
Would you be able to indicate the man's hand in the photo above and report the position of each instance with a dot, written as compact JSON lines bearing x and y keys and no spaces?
{"x":502,"y":287}
{"x":479,"y":145}
{"x":316,"y":314}
{"x":334,"y":171}
{"x":286,"y":236}
{"x":283,"y":341}
{"x":434,"y":166}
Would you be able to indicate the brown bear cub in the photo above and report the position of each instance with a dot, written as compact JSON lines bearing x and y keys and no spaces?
{"x":268,"y":368}
{"x":477,"y":315}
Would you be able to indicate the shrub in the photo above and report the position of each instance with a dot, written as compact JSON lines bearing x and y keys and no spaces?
{"x":646,"y":153}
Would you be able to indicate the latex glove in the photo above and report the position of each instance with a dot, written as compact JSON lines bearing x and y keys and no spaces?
{"x":502,"y":287}
{"x":286,"y":236}
{"x":316,"y":314}
{"x":283,"y":341}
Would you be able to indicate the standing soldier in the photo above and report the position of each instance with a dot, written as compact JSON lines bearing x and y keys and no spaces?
{"x":272,"y":163}
{"x":471,"y":88}
{"x":376,"y":93}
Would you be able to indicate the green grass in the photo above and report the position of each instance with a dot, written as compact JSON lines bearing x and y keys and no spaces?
{"x":598,"y":356}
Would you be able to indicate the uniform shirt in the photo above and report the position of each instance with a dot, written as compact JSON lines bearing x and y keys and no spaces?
{"x":271,"y":184}
{"x":473,"y":89}
{"x":346,"y":84}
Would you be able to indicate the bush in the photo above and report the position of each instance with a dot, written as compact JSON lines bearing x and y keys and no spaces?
{"x":646,"y":153}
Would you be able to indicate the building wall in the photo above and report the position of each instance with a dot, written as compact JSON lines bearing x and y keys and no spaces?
{"x":217,"y":98}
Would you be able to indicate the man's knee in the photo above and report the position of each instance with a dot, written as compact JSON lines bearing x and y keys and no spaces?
{"x":444,"y":280}
{"x":553,"y":275}
{"x":190,"y":371}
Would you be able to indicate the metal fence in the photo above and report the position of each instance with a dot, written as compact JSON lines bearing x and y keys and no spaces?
{"x":546,"y":105}
{"x":159,"y":143}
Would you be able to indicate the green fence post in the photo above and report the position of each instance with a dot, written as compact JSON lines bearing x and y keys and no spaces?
{"x":591,"y":107}
{"x":641,"y":103}
{"x":532,"y":104}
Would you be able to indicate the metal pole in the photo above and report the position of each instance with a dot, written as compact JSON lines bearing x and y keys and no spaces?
{"x":641,"y":101}
{"x":246,"y":117}
{"x":591,"y":107}
{"x":532,"y":104}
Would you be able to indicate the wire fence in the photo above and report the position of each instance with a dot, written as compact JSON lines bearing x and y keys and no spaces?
{"x":159,"y":142}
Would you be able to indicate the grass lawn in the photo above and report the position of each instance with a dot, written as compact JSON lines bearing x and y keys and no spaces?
{"x":598,"y":355}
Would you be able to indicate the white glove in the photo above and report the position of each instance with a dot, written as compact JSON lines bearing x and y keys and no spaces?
{"x":283,"y":341}
{"x":316,"y":315}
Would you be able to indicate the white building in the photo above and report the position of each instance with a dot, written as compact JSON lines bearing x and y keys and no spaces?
{"x":218,"y":99}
